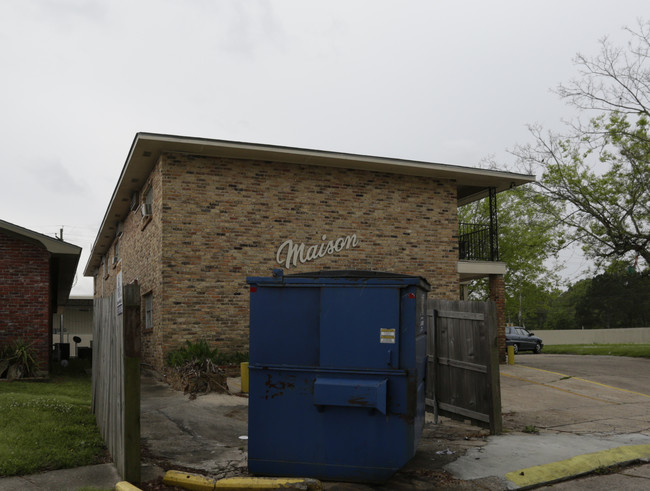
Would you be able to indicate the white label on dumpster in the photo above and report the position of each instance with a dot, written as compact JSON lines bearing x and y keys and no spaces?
{"x":387,"y":336}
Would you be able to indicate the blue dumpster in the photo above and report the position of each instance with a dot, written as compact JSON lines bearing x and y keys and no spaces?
{"x":337,"y":364}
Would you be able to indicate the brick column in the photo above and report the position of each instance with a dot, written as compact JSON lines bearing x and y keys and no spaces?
{"x":498,"y":295}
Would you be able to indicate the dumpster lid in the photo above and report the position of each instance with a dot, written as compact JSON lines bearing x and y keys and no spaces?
{"x":350,"y":273}
{"x":339,"y":277}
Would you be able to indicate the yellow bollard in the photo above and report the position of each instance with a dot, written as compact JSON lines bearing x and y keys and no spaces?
{"x":511,"y":355}
{"x":244,"y":376}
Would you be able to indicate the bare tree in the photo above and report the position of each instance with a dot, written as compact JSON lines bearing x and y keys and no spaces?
{"x":598,"y":171}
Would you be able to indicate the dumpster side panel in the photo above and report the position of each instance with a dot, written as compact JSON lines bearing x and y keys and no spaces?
{"x":284,"y":326}
{"x":328,"y":438}
{"x":360,"y":327}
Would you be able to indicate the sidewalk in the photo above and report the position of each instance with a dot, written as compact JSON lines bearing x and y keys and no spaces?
{"x":103,"y":476}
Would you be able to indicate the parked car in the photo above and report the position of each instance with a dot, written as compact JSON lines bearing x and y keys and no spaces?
{"x":523,"y":340}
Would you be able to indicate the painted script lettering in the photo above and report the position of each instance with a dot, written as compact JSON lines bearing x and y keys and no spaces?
{"x":290,"y":253}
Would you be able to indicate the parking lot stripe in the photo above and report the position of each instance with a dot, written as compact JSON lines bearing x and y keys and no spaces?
{"x":589,"y":381}
{"x":557,"y":388}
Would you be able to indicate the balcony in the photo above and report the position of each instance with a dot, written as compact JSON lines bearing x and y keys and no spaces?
{"x":478,"y":246}
{"x":477,"y":242}
{"x":478,"y":252}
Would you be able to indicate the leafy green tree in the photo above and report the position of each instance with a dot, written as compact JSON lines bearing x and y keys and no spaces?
{"x":617,"y":298}
{"x":528,"y":240}
{"x":562,"y":308}
{"x":595,"y":177}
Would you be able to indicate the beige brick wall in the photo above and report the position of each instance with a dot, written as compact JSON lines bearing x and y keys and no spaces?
{"x":222,"y":220}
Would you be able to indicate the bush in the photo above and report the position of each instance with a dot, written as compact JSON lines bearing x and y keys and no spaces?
{"x":200,"y":352}
{"x":17,"y":360}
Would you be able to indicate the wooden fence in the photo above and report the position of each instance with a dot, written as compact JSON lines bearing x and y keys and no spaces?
{"x":116,"y":378}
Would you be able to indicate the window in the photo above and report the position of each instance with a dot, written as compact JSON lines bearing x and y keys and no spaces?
{"x":135,"y":200}
{"x":148,"y":196}
{"x":147,"y":205}
{"x":148,"y":310}
{"x":116,"y":251}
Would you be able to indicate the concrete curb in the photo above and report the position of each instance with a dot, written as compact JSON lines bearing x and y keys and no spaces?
{"x":195,"y":482}
{"x":126,"y":486}
{"x":578,"y":466}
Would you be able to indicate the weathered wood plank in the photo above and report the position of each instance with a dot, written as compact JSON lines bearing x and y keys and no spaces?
{"x":463,"y":364}
{"x":116,"y":379}
{"x":448,"y":314}
{"x":465,"y":412}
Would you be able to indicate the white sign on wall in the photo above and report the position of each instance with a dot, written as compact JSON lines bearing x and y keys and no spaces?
{"x":118,"y":293}
{"x":290,"y":253}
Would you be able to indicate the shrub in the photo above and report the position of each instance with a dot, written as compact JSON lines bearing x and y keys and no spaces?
{"x":200,"y":352}
{"x":17,"y":360}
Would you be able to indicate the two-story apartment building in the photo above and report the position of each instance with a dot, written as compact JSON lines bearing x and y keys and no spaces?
{"x":191,"y":218}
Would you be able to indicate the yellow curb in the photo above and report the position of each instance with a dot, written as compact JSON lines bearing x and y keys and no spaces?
{"x":196,"y":482}
{"x":189,"y":481}
{"x":126,"y":486}
{"x":576,"y":466}
{"x":236,"y":483}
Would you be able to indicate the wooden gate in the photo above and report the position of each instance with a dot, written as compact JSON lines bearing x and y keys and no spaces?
{"x":463,"y":362}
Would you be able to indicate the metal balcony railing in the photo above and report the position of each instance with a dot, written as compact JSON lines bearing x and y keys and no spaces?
{"x":477,"y":242}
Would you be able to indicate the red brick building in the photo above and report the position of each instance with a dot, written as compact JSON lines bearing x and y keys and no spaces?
{"x":36,"y":275}
{"x":190,"y":218}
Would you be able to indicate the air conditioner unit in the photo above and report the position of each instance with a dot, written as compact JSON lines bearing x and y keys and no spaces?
{"x":146,"y":210}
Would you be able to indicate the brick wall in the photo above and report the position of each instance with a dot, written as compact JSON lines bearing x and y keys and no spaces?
{"x":25,"y":295}
{"x":222,"y":220}
{"x":139,"y":260}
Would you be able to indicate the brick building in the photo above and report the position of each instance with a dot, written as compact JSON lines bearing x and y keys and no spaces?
{"x":36,"y":275}
{"x":190,"y":218}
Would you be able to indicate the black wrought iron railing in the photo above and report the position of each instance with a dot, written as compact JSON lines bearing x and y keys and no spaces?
{"x":477,"y":242}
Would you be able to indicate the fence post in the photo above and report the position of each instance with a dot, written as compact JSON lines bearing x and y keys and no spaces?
{"x":131,"y":381}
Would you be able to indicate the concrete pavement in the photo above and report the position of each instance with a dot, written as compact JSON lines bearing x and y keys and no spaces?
{"x":560,"y":423}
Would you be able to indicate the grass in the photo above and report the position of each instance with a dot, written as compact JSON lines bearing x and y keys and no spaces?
{"x":48,"y":425}
{"x":531,"y":429}
{"x":634,"y":350}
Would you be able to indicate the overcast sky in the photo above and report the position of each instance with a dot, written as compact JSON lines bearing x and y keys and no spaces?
{"x":449,"y":82}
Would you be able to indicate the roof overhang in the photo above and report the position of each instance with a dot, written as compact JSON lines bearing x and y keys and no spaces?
{"x":473,"y":183}
{"x":65,"y":257}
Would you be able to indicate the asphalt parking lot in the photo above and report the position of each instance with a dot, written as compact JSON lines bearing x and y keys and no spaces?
{"x":598,"y":395}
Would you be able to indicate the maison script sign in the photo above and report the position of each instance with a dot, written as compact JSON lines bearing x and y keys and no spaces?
{"x":290,"y":253}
